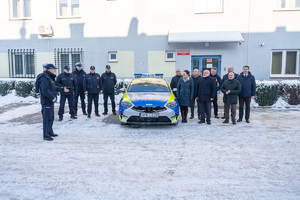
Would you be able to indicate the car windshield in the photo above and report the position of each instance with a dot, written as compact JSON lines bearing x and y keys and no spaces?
{"x":148,"y":85}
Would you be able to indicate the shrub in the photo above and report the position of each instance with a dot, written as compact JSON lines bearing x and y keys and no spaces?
{"x":267,"y":92}
{"x":25,"y":88}
{"x":6,"y":86}
{"x":290,"y":92}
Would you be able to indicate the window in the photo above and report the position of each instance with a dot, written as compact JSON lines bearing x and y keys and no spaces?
{"x":208,"y":6}
{"x":112,"y":56}
{"x":20,"y":9}
{"x":68,"y":8}
{"x":285,"y":63}
{"x":68,"y":57}
{"x":21,"y":63}
{"x":170,"y":56}
{"x":287,"y":4}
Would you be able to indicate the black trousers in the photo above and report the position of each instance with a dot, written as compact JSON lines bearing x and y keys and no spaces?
{"x":48,"y":119}
{"x":82,"y":97}
{"x":205,"y":108}
{"x":62,"y":103}
{"x":184,"y":111}
{"x":242,"y":101}
{"x":91,"y":97}
{"x":215,"y":103}
{"x":112,"y":99}
{"x":193,"y":107}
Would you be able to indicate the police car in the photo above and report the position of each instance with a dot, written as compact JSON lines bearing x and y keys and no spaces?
{"x":148,"y":99}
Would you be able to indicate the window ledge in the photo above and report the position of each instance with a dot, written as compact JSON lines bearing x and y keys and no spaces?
{"x":197,"y":13}
{"x":170,"y":60}
{"x":290,"y":9}
{"x":112,"y":61}
{"x":21,"y":18}
{"x":284,"y":76}
{"x":69,"y":17}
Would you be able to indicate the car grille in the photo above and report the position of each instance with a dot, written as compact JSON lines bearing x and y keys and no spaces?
{"x":146,"y":119}
{"x":149,"y":109}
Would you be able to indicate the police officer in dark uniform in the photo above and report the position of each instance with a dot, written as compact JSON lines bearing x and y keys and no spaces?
{"x":109,"y":80}
{"x":38,"y":81}
{"x":92,"y":86}
{"x":66,"y":79}
{"x":79,"y":75}
{"x":48,"y":91}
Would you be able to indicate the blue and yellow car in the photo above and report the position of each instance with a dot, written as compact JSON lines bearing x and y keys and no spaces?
{"x":148,"y":99}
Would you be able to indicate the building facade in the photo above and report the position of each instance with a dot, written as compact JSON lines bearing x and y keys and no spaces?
{"x":151,"y":36}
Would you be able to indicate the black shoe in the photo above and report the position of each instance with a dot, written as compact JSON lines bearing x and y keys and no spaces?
{"x":239,"y":120}
{"x":247,"y":120}
{"x":89,"y":116}
{"x":192,"y":117}
{"x":201,"y":122}
{"x":209,"y":123}
{"x":217,"y":117}
{"x":234,"y":122}
{"x":48,"y":138}
{"x":226,"y":121}
{"x":73,"y":117}
{"x":222,"y":117}
{"x":114,"y":113}
{"x":84,"y":113}
{"x":97,"y":115}
{"x":53,"y":135}
{"x":60,"y":118}
{"x":105,"y":113}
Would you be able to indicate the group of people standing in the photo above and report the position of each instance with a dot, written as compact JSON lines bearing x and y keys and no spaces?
{"x":72,"y":86}
{"x":203,"y":89}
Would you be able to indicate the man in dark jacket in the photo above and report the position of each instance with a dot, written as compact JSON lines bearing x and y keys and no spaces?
{"x":66,"y":79}
{"x":92,"y":86}
{"x":206,"y":89}
{"x":38,"y":81}
{"x":218,"y":83}
{"x":48,"y":97}
{"x":247,"y":93}
{"x":195,"y":76}
{"x":231,"y":88}
{"x":175,"y":80}
{"x":109,"y":80}
{"x":79,"y":75}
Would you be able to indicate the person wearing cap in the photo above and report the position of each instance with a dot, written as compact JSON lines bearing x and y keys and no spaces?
{"x":92,"y":86}
{"x":79,"y":75}
{"x":109,"y":80}
{"x":66,"y":79}
{"x":48,"y":97}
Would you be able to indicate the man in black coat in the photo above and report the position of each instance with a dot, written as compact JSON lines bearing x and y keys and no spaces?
{"x":247,"y":93}
{"x":218,"y":83}
{"x":48,"y":97}
{"x":195,"y":77}
{"x":66,"y":79}
{"x":79,"y":75}
{"x":206,"y":89}
{"x":38,"y":81}
{"x":175,"y":80}
{"x":109,"y":80}
{"x":92,"y":86}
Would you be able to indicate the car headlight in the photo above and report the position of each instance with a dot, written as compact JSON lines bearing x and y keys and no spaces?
{"x":172,"y":104}
{"x":126,"y":104}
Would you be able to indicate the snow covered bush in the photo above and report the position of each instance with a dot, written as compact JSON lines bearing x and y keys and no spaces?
{"x":25,"y":88}
{"x":267,"y":92}
{"x":121,"y":84}
{"x":290,"y":91}
{"x":6,"y":86}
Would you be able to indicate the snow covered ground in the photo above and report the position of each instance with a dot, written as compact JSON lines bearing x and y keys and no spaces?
{"x":99,"y":159}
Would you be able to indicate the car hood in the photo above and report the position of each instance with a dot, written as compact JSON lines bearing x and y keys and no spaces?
{"x":149,"y":99}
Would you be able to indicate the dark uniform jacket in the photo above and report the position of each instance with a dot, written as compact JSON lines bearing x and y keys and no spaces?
{"x":48,"y":88}
{"x":174,"y":81}
{"x":195,"y":82}
{"x":248,"y":85}
{"x":109,"y":80}
{"x":92,"y":83}
{"x":206,"y":89}
{"x":37,"y":84}
{"x":235,"y":88}
{"x":185,"y":92}
{"x":79,"y":76}
{"x":217,"y":79}
{"x":67,"y":80}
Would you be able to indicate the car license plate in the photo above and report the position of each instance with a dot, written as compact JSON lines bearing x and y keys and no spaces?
{"x":149,"y":115}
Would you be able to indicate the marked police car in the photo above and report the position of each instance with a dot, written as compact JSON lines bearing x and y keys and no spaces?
{"x":148,"y":99}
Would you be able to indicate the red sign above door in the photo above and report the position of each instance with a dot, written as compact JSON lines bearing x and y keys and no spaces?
{"x":183,"y":52}
{"x":209,"y":60}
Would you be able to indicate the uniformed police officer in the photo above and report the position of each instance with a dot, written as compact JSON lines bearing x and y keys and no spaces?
{"x":66,"y":79}
{"x":48,"y":91}
{"x":92,"y":88}
{"x":38,"y":81}
{"x":79,"y":75}
{"x":109,"y":80}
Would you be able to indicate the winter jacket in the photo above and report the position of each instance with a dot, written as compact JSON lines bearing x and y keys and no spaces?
{"x":109,"y":80}
{"x":47,"y":88}
{"x":67,"y":80}
{"x":185,"y":92}
{"x":248,"y":85}
{"x":174,"y":81}
{"x":37,"y":84}
{"x":195,"y":81}
{"x":235,"y":88}
{"x":225,"y":77}
{"x":92,"y":83}
{"x":79,"y":76}
{"x":218,"y":81}
{"x":206,"y":89}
